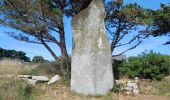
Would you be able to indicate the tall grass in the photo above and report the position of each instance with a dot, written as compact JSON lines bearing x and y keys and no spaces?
{"x":15,"y":67}
{"x":17,"y":90}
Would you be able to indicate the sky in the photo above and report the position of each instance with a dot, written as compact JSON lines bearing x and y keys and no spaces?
{"x":152,"y":43}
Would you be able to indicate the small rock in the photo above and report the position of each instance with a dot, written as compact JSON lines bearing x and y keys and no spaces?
{"x":54,"y":79}
{"x":32,"y":82}
{"x":135,"y":86}
{"x":135,"y":91}
{"x":128,"y":88}
{"x":24,"y":76}
{"x":120,"y":82}
{"x":136,"y":79}
{"x":132,"y":84}
{"x":128,"y":92}
{"x":40,"y":78}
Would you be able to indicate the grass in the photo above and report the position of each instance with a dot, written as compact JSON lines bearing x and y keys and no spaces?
{"x":15,"y":67}
{"x":17,"y":90}
{"x":46,"y":69}
{"x":160,"y":88}
{"x":11,"y":89}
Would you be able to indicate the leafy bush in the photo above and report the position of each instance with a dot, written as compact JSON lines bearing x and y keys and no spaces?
{"x":146,"y":65}
{"x":13,"y":55}
{"x":117,"y":88}
{"x":38,"y":59}
{"x":65,"y":67}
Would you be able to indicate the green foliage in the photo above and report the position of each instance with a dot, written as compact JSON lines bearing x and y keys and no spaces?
{"x":57,"y":11}
{"x":16,"y":90}
{"x":117,"y":88}
{"x":161,"y":21}
{"x":147,"y":65}
{"x":65,"y":67}
{"x":13,"y":55}
{"x":38,"y":59}
{"x":121,"y":20}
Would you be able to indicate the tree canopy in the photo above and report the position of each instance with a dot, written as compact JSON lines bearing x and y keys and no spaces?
{"x":41,"y":22}
{"x":161,"y":22}
{"x":121,"y":22}
{"x":13,"y":54}
{"x":38,"y":59}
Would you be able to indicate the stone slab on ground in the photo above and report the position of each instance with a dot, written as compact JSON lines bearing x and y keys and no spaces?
{"x":54,"y":79}
{"x":24,"y":76}
{"x":41,"y":78}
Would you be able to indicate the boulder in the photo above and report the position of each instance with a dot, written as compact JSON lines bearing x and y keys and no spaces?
{"x":54,"y":79}
{"x":136,"y":91}
{"x":91,"y":69}
{"x":40,"y":78}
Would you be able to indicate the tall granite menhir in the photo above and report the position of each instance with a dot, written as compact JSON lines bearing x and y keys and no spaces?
{"x":91,"y":71}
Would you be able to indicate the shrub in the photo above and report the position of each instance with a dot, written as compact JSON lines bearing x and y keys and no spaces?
{"x":65,"y":67}
{"x":13,"y":55}
{"x":147,"y":65}
{"x":117,"y":88}
{"x":38,"y":59}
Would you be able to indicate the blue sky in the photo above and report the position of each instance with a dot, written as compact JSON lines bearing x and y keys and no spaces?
{"x":151,"y":43}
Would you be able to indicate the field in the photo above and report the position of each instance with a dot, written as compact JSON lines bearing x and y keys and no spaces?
{"x":12,"y":89}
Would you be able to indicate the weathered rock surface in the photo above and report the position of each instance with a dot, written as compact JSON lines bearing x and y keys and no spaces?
{"x":40,"y":78}
{"x":91,"y":71}
{"x":54,"y":79}
{"x":24,"y":76}
{"x":31,"y":81}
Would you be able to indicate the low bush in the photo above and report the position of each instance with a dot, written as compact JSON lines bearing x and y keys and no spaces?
{"x":62,"y":67}
{"x":146,"y":65}
{"x":38,"y":59}
{"x":65,"y":67}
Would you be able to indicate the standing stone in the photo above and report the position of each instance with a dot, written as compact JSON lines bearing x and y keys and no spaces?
{"x":91,"y":71}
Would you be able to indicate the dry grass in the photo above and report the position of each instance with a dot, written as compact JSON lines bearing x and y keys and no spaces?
{"x":151,"y":90}
{"x":160,"y":88}
{"x":61,"y":91}
{"x":13,"y":67}
{"x":11,"y":89}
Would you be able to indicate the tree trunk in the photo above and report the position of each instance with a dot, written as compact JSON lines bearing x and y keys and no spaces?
{"x":63,"y":48}
{"x":50,"y":50}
